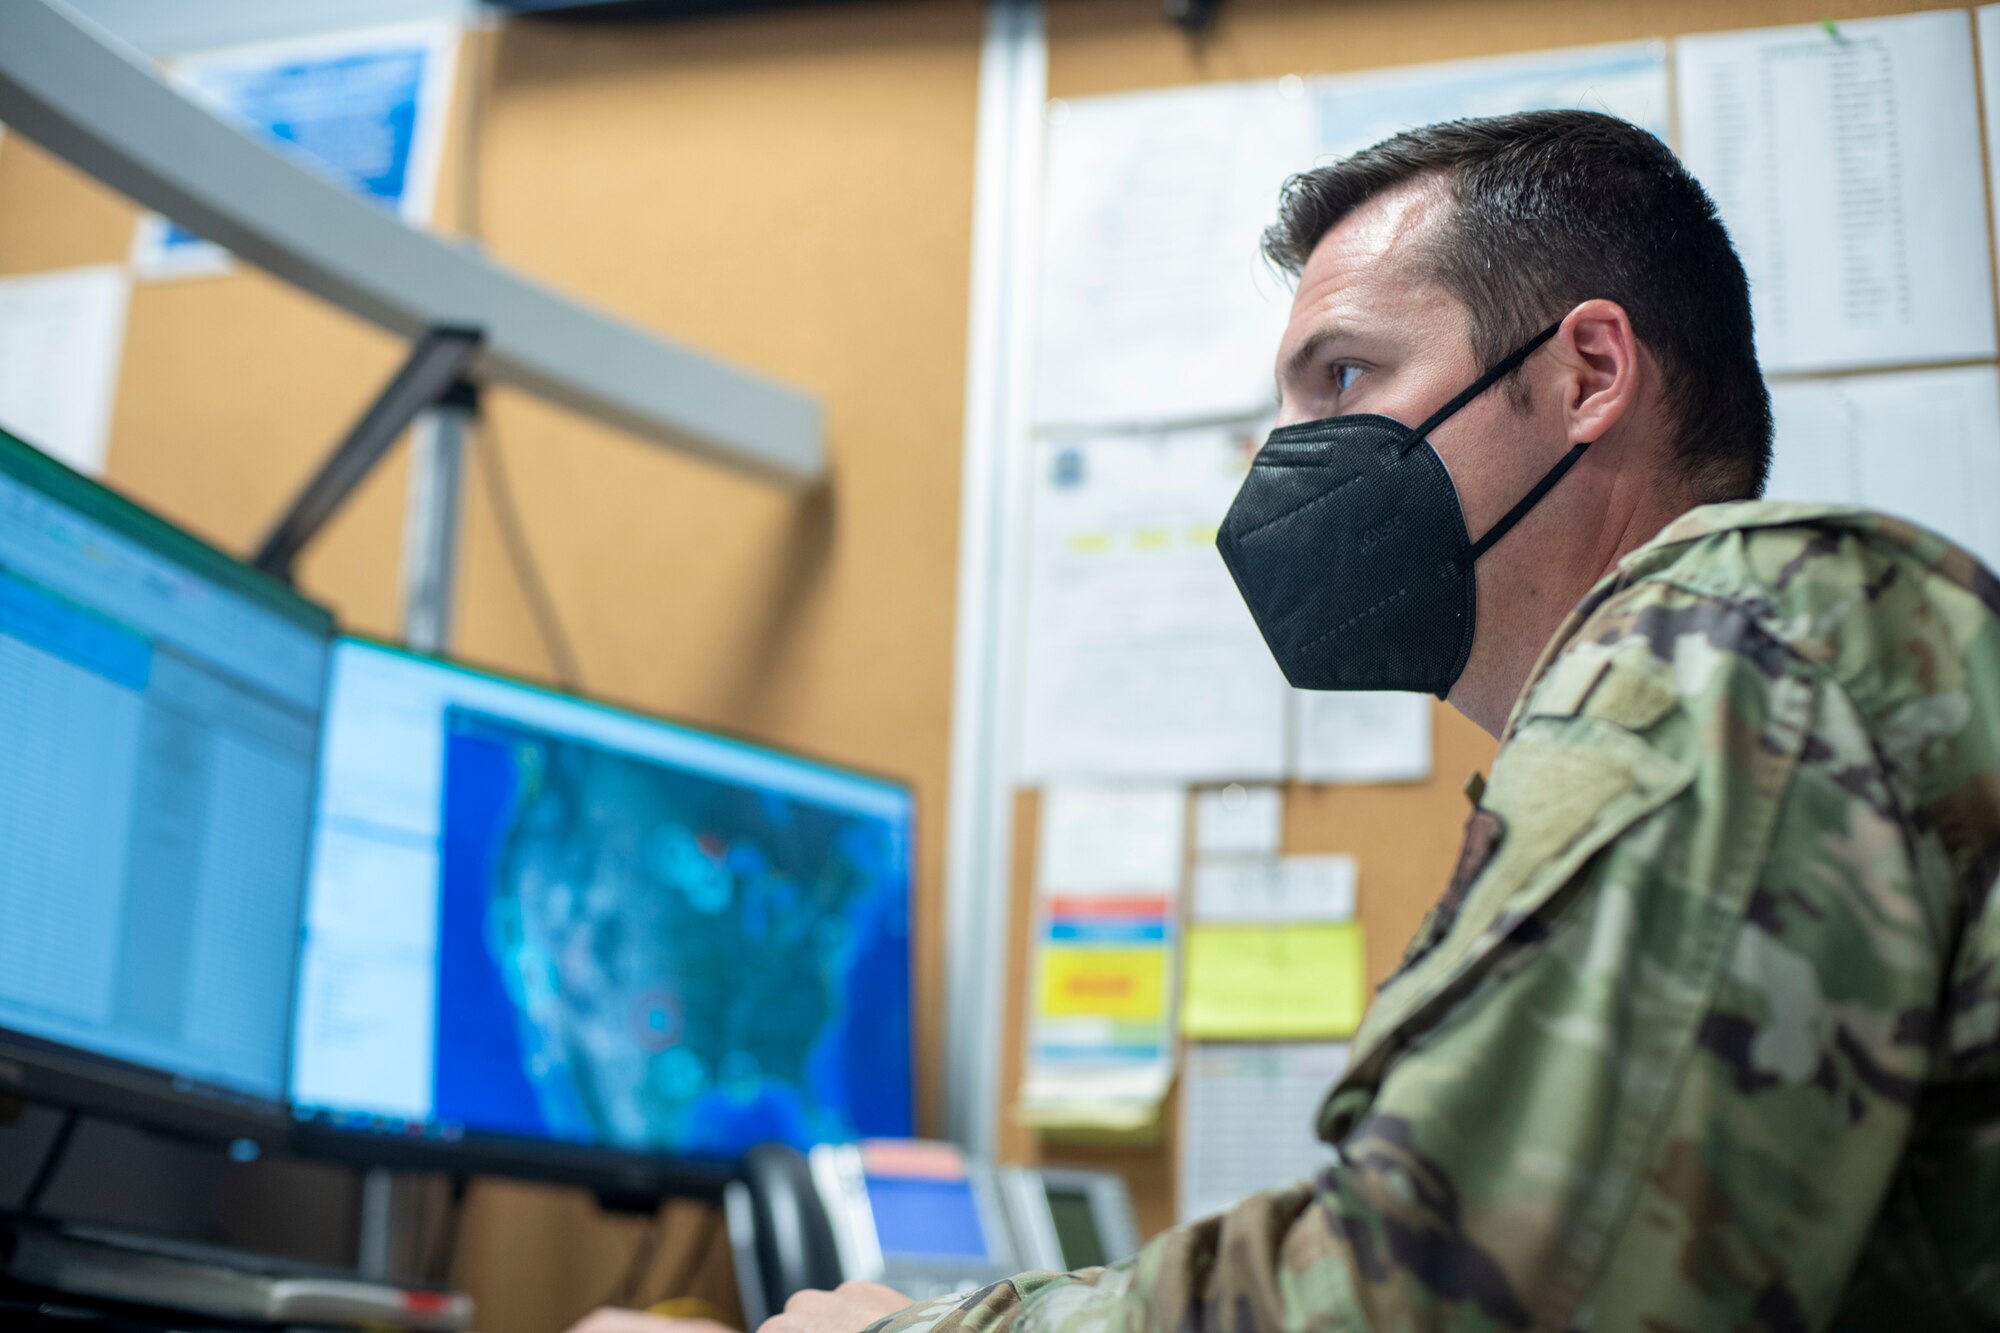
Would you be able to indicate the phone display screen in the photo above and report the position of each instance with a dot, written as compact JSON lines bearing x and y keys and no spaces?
{"x":927,"y":1217}
{"x":1076,"y":1229}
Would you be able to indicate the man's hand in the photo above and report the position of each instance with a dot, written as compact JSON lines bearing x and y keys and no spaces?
{"x":849,"y":1308}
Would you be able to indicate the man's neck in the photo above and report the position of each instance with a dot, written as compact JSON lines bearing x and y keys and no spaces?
{"x":1487,"y":692}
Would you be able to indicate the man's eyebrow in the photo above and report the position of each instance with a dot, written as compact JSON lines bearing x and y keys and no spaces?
{"x":1307,"y":352}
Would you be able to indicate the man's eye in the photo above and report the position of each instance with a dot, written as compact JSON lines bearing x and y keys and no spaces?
{"x":1344,"y":374}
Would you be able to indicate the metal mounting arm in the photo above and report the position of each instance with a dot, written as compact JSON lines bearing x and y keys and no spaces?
{"x":436,"y":365}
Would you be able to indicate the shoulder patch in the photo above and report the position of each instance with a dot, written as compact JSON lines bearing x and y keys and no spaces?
{"x":1565,"y":683}
{"x":1632,"y":698}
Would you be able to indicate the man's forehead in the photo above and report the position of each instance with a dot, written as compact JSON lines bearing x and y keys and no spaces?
{"x":1373,"y":253}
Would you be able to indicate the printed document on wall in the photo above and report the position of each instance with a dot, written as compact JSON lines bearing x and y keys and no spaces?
{"x":1155,"y":304}
{"x":1628,"y":80}
{"x":1099,"y":840}
{"x":1845,"y":161}
{"x":1920,"y":444}
{"x":1361,"y":736}
{"x":1140,"y":660}
{"x":366,"y":108}
{"x":1239,"y":821}
{"x":62,"y":335}
{"x":1248,"y":1120}
{"x":1275,"y":890}
{"x":1100,"y":1035}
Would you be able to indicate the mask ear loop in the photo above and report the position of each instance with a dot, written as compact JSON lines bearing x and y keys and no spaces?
{"x":1528,"y":501}
{"x":1506,"y":366}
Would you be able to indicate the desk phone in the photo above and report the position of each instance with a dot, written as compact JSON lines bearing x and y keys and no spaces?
{"x":918,"y":1216}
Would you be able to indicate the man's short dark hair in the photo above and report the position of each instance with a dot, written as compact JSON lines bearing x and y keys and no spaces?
{"x":1552,"y":208}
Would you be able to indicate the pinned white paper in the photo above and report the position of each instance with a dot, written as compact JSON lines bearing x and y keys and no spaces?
{"x":1239,"y":821}
{"x":1100,"y":1042}
{"x":1118,"y":1100}
{"x":62,"y":336}
{"x":1247,"y":1120}
{"x":1628,"y":80}
{"x":1111,"y":839}
{"x":1155,"y":304}
{"x":1845,"y":161}
{"x":1920,"y":444}
{"x":1140,"y":660}
{"x":1361,"y":736}
{"x":1270,"y":892}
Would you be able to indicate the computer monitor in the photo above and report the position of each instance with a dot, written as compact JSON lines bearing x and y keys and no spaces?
{"x":553,"y":938}
{"x":159,"y":719}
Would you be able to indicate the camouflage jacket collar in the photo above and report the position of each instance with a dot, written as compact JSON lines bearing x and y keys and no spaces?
{"x":1737,"y":516}
{"x":1668,"y":546}
{"x":1940,"y":555}
{"x":1672,"y":543}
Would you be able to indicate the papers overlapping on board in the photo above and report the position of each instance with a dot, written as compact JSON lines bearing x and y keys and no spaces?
{"x":1155,"y":305}
{"x":1100,"y":1030}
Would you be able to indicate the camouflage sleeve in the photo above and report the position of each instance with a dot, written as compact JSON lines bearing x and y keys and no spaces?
{"x":1650,"y":1063}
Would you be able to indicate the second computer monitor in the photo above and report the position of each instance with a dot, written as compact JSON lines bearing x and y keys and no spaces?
{"x":559,"y":938}
{"x":159,"y":718}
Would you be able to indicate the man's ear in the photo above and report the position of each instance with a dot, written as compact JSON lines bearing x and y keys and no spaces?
{"x":1600,"y":368}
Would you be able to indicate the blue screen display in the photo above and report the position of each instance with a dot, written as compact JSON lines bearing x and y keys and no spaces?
{"x":926,"y":1218}
{"x":535,"y":916}
{"x":639,"y":954}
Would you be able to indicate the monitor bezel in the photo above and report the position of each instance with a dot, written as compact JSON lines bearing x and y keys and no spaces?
{"x":615,"y":1172}
{"x":36,"y":1069}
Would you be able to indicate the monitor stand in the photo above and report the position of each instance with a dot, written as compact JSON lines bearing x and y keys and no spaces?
{"x":105,"y":1264}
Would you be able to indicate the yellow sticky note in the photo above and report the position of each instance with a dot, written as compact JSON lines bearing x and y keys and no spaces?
{"x":1252,"y":981}
{"x":1104,"y":983}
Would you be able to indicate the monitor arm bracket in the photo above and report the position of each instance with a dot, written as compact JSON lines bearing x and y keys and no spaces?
{"x":433,"y":375}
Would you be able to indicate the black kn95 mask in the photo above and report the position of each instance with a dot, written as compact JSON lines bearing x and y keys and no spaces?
{"x":1349,"y":545}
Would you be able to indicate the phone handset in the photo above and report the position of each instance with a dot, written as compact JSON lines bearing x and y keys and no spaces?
{"x":779,"y":1230}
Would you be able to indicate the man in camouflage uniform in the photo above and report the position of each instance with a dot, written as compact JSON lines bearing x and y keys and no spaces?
{"x":1705,"y":1032}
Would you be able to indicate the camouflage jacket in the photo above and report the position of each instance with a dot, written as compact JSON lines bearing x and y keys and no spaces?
{"x":1705,"y":1032}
